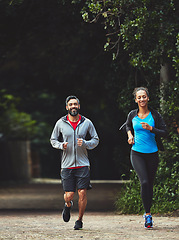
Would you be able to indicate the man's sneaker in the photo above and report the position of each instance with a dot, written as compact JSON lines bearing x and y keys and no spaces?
{"x":66,"y":212}
{"x":148,"y":221}
{"x":78,"y":225}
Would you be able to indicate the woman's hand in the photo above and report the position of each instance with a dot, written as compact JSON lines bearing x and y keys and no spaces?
{"x":146,"y":126}
{"x":130,"y":138}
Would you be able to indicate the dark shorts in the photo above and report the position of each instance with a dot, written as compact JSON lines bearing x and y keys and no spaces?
{"x":73,"y":179}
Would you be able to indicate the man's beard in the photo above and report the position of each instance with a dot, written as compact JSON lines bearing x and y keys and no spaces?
{"x":73,"y":112}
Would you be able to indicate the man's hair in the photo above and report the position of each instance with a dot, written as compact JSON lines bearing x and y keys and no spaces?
{"x":71,"y":97}
{"x":140,"y":88}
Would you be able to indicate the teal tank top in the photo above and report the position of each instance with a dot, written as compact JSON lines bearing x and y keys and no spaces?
{"x":144,"y":140}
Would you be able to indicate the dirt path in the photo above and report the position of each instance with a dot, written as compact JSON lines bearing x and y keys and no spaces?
{"x":33,"y":211}
{"x":97,"y":226}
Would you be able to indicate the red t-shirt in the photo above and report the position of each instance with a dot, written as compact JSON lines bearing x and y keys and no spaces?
{"x":74,"y":125}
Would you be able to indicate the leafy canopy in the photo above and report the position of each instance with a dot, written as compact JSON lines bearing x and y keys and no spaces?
{"x":146,"y":29}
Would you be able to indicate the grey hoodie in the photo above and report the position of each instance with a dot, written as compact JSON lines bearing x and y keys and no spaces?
{"x":74,"y":155}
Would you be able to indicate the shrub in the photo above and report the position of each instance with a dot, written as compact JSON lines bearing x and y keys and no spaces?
{"x":165,"y":197}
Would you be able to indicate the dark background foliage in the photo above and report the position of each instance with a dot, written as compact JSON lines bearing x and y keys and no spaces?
{"x":48,"y":53}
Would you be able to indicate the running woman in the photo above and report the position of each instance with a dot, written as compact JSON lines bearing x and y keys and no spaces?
{"x":144,"y":128}
{"x":75,"y":173}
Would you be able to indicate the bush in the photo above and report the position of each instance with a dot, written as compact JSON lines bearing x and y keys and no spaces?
{"x":129,"y":200}
{"x":165,"y":197}
{"x":166,"y":186}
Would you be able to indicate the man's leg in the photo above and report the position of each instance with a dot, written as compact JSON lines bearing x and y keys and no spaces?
{"x":68,"y":197}
{"x":82,"y":202}
{"x":69,"y":186}
{"x":83,"y":180}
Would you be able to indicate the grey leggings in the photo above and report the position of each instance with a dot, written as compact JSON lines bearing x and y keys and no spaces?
{"x":145,"y":165}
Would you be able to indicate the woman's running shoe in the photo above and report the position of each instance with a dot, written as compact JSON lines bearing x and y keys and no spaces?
{"x":148,"y":221}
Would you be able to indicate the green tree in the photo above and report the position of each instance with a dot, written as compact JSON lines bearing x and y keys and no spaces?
{"x":146,"y":29}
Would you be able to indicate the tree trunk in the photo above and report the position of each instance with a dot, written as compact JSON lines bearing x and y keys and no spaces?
{"x":16,"y":161}
{"x":164,"y":79}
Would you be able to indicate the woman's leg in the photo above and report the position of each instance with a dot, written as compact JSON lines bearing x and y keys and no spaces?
{"x":145,"y":166}
{"x":152,"y":165}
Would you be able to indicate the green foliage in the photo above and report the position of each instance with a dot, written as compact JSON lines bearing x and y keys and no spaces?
{"x":15,"y":2}
{"x":170,"y":108}
{"x":167,"y":178}
{"x":129,"y":199}
{"x":165,"y":198}
{"x":166,"y":185}
{"x":147,"y":30}
{"x":14,"y":124}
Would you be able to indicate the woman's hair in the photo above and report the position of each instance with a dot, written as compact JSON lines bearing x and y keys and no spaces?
{"x":138,"y":89}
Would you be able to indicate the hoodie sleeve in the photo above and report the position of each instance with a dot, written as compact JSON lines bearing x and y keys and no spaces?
{"x":161,"y":129}
{"x":55,"y":136}
{"x":94,"y":141}
{"x":129,"y":126}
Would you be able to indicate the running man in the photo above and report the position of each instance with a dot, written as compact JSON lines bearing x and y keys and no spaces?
{"x":75,"y":173}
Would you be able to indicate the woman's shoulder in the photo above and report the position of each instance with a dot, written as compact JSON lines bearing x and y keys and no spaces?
{"x":133,"y":112}
{"x":154,"y":111}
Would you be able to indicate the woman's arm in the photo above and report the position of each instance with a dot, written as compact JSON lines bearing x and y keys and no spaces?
{"x":160,"y":129}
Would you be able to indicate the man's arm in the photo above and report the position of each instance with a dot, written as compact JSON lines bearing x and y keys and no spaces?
{"x":94,"y":141}
{"x":55,"y":136}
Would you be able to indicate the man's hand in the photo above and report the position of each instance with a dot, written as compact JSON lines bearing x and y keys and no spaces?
{"x":146,"y":126}
{"x":79,"y":142}
{"x":65,"y":145}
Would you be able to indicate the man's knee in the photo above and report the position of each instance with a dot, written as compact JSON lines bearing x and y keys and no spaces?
{"x":68,"y":196}
{"x":82,"y":194}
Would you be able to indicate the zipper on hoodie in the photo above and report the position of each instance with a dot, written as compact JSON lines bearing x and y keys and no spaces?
{"x":74,"y":141}
{"x":74,"y":146}
{"x":74,"y":137}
